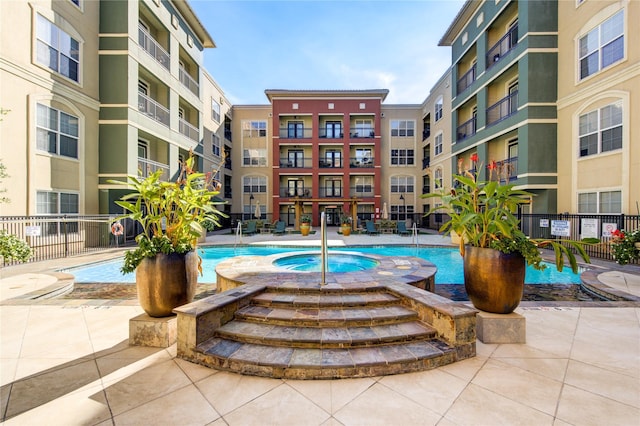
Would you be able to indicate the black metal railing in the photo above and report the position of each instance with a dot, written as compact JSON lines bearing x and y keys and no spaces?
{"x":304,"y":192}
{"x":331,"y":192}
{"x":426,"y":162}
{"x":502,"y":47}
{"x":325,"y":163}
{"x":502,"y":109}
{"x":296,"y":163}
{"x":361,"y":132}
{"x":426,"y":132}
{"x":466,"y":79}
{"x":295,"y":133}
{"x":466,"y":129}
{"x":356,"y":162}
{"x":330,"y":133}
{"x":503,"y":171}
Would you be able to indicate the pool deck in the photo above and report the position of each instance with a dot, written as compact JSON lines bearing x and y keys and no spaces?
{"x":68,"y":362}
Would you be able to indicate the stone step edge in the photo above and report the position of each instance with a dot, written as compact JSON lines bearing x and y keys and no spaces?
{"x":324,"y":337}
{"x":301,"y":363}
{"x":323,"y":301}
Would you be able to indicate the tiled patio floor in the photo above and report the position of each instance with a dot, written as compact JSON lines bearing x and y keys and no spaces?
{"x":68,"y":362}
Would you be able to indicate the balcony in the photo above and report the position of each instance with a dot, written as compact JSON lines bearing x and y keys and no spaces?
{"x":358,"y":132}
{"x":330,"y":163}
{"x":148,"y":167}
{"x":466,"y":129}
{"x":426,"y":162}
{"x":296,"y":163}
{"x":426,"y":189}
{"x":189,"y":82}
{"x":359,"y":162}
{"x":426,"y":132}
{"x":330,"y":133}
{"x":331,"y":192}
{"x":188,"y":130}
{"x":151,"y":46}
{"x":361,"y":191}
{"x":466,"y":80}
{"x":295,"y":133}
{"x":153,"y":109}
{"x":303,"y":192}
{"x":502,"y":47}
{"x":502,"y":109}
{"x":503,"y":171}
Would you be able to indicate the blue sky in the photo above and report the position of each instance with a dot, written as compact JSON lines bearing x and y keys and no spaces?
{"x":334,"y":45}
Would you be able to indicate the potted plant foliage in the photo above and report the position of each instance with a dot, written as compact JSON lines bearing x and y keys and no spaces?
{"x":495,"y":250}
{"x":172,"y":216}
{"x":305,"y":224}
{"x":345,"y":225}
{"x":625,"y":246}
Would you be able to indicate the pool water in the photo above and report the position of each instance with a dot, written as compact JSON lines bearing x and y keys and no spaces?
{"x":447,"y":260}
{"x":336,"y":262}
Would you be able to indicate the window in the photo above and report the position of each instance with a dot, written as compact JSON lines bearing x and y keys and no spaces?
{"x":437,"y":146}
{"x":56,"y":132}
{"x":295,"y":129}
{"x":602,"y":46}
{"x":215,"y":145}
{"x":604,"y":202}
{"x":57,"y":203}
{"x":402,"y":128}
{"x":57,"y":50}
{"x":215,"y":110}
{"x":254,"y":184}
{"x":254,"y":157}
{"x":254,"y":129}
{"x":363,"y":129}
{"x":76,"y":2}
{"x":439,"y":103}
{"x":402,"y":184}
{"x":364,"y":185}
{"x":437,"y":178}
{"x":601,"y":130}
{"x":403,"y":157}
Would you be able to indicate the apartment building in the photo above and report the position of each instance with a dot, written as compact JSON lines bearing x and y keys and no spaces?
{"x":151,"y":90}
{"x":50,"y":93}
{"x":503,"y":101}
{"x":598,"y":102}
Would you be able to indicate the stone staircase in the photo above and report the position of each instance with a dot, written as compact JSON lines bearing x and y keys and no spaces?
{"x":322,"y":332}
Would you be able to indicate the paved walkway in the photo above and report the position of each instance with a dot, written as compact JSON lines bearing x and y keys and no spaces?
{"x":71,"y":364}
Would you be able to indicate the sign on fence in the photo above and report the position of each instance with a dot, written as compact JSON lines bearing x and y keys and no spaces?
{"x":544,"y":223}
{"x":32,"y":231}
{"x":608,"y":229}
{"x":561,"y":228}
{"x":589,"y":228}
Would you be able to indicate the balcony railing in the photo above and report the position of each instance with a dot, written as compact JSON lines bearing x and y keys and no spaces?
{"x":188,"y":130}
{"x":330,"y":163}
{"x":466,"y":80}
{"x":296,"y":163}
{"x":153,"y":109}
{"x":502,"y":47}
{"x":304,"y":192}
{"x":426,"y":162}
{"x":330,"y":133}
{"x":502,"y":109}
{"x":227,"y":135}
{"x":331,"y":192}
{"x":426,"y":132}
{"x":148,"y":167}
{"x":466,"y":129}
{"x":297,"y":133}
{"x":151,"y":46}
{"x":361,"y":162}
{"x":361,"y":191}
{"x":426,"y":189}
{"x":189,"y":82}
{"x":361,"y":132}
{"x":503,"y":171}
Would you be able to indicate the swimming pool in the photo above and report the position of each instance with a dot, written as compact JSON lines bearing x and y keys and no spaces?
{"x":447,"y":259}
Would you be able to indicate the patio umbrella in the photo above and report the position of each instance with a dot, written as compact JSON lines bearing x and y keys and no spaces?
{"x":257,"y":212}
{"x":385,"y":214}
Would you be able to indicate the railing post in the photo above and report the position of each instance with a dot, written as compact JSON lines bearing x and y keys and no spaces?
{"x":66,"y":236}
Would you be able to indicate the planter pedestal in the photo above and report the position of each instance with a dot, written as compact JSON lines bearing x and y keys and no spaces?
{"x":153,"y":332}
{"x":500,"y":328}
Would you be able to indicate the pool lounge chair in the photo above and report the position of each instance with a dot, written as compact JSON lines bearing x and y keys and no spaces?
{"x":279,"y":229}
{"x":371,"y":228}
{"x":251,"y":228}
{"x":402,"y":228}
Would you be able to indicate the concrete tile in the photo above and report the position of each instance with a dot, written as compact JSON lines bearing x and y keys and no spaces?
{"x":13,"y":323}
{"x":331,"y":395}
{"x":120,"y":365}
{"x":144,"y":385}
{"x":282,"y":405}
{"x":477,"y":405}
{"x":579,"y":407}
{"x":195,"y":372}
{"x":8,"y":368}
{"x":621,"y":358}
{"x":465,"y":369}
{"x":532,"y":390}
{"x":380,"y":405}
{"x":552,"y":368}
{"x":228,"y":391}
{"x":619,"y":387}
{"x":433,"y":389}
{"x":185,"y":406}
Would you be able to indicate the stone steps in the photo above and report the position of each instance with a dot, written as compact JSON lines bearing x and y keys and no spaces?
{"x":315,"y":334}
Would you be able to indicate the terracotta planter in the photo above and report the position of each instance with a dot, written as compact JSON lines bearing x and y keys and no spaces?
{"x":346,"y":230}
{"x":494,"y":281}
{"x":305,"y":228}
{"x":165,"y":282}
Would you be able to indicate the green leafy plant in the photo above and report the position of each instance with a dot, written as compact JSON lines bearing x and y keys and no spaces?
{"x":13,"y":248}
{"x":172,"y":214}
{"x":345,"y":219}
{"x":305,"y":218}
{"x":482,"y":213}
{"x":623,"y":246}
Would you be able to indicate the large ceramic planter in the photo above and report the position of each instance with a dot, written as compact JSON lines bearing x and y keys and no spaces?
{"x":165,"y":282}
{"x":305,"y":228}
{"x":346,"y":230}
{"x":494,"y":281}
